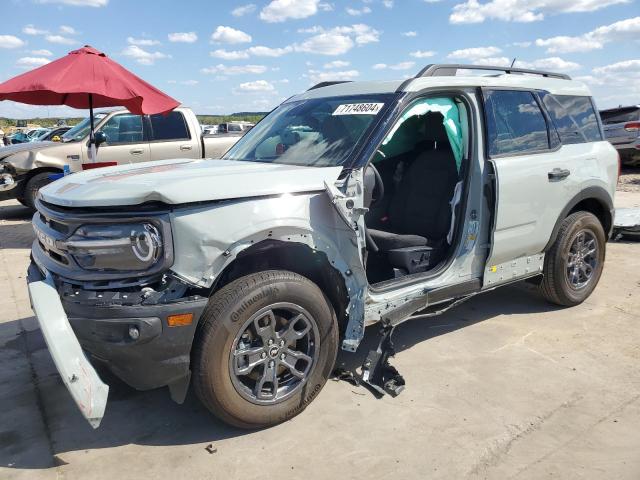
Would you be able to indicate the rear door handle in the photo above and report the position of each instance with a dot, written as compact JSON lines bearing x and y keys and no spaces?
{"x":558,"y":174}
{"x":185,"y":148}
{"x":136,"y":151}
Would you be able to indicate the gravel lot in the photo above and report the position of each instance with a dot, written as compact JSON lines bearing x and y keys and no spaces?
{"x":504,"y":386}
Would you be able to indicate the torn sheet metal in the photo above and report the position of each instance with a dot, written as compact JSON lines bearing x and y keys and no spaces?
{"x":627,"y":223}
{"x":78,"y":375}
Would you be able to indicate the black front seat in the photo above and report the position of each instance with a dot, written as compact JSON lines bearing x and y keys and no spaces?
{"x":419,"y":211}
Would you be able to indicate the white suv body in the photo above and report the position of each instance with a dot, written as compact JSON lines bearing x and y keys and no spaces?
{"x":350,"y":204}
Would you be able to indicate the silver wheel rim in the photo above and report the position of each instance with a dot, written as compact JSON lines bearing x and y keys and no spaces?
{"x":274,"y":353}
{"x":582,"y":259}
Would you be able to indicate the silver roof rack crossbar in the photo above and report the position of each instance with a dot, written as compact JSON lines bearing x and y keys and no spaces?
{"x":450,"y":70}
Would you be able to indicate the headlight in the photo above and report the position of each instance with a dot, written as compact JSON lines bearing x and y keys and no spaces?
{"x":129,"y":246}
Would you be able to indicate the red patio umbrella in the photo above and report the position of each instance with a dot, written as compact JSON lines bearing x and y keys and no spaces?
{"x":87,"y":78}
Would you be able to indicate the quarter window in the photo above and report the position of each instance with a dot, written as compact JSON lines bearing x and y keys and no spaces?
{"x":515,"y":123}
{"x":171,"y":126}
{"x":574,"y":118}
{"x":124,"y":128}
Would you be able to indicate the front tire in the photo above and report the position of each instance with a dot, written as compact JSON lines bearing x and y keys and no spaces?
{"x":34,"y":184}
{"x":265,"y":349}
{"x":573,"y":265}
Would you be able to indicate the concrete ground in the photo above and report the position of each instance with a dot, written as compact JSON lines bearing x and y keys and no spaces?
{"x":504,"y":386}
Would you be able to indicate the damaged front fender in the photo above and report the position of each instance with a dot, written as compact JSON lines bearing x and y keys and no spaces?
{"x":208,"y":239}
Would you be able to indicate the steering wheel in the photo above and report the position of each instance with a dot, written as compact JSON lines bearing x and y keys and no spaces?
{"x":378,"y":190}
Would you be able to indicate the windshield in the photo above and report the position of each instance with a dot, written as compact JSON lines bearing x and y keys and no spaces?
{"x":316,"y":132}
{"x":81,"y":130}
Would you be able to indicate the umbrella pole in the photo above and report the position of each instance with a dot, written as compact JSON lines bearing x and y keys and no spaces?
{"x":92,"y":139}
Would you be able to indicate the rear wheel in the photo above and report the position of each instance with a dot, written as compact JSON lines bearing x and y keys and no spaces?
{"x":34,"y":184}
{"x":573,"y":265}
{"x":266,"y":347}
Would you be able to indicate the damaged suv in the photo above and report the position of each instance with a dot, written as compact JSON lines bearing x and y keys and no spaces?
{"x":348,"y":205}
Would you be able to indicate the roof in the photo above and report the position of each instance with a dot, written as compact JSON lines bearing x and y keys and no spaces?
{"x":554,"y":83}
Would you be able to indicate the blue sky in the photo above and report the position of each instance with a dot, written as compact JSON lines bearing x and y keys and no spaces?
{"x":229,"y":56}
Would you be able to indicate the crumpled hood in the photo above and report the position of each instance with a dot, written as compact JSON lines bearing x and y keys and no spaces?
{"x":184,"y":181}
{"x":24,"y":147}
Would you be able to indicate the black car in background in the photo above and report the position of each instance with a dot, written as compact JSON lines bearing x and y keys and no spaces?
{"x":622,"y":129}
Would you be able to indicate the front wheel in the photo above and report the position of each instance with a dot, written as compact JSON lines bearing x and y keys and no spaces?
{"x":573,"y":265}
{"x":265,"y":349}
{"x":34,"y":184}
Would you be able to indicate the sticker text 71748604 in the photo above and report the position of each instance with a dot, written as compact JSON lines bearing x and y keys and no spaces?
{"x":358,"y":109}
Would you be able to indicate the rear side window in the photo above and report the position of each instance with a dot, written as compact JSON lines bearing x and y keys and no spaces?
{"x":169,"y":127}
{"x":574,"y":118}
{"x":515,"y":123}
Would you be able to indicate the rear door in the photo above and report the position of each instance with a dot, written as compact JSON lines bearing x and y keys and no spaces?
{"x":126,"y":140}
{"x":533,"y":182}
{"x":171,"y":137}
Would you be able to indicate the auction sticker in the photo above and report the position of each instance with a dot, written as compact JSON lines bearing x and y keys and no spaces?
{"x":358,"y":109}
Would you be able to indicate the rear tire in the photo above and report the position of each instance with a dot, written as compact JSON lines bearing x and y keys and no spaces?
{"x":573,"y":265}
{"x":34,"y":184}
{"x":256,"y":314}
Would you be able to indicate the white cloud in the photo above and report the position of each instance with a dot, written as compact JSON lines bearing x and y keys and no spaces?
{"x":61,"y":40}
{"x":498,"y":61}
{"x":317,"y":76}
{"x":475,"y":53}
{"x":42,"y":52}
{"x":230,"y":35}
{"x":258,"y":86}
{"x":397,"y":66}
{"x":184,"y":82}
{"x":615,"y":84}
{"x":243,"y":10}
{"x":234,"y":70}
{"x":30,"y":62}
{"x":354,"y":12}
{"x":423,"y":53}
{"x":32,"y":30}
{"x":142,"y":56}
{"x":229,"y":54}
{"x":337,"y":64}
{"x":326,"y":44}
{"x":337,"y":40}
{"x":388,"y":3}
{"x":261,"y":51}
{"x":10,"y":41}
{"x":79,"y":3}
{"x":551,"y":63}
{"x":282,"y":10}
{"x":625,"y":66}
{"x":183,"y":37}
{"x":410,"y":33}
{"x":474,"y":11}
{"x":628,"y":29}
{"x":142,"y":42}
{"x":522,"y":44}
{"x":67,"y":30}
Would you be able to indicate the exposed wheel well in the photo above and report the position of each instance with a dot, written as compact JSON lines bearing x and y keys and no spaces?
{"x":594,"y":206}
{"x":295,"y":257}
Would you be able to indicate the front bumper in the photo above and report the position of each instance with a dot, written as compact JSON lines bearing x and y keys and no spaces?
{"x":100,"y":324}
{"x":80,"y":378}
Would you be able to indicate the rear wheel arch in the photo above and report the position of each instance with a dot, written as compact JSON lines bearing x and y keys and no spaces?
{"x":595,"y":200}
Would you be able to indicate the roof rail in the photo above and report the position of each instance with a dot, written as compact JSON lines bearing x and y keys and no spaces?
{"x":328,"y":84}
{"x":450,"y":70}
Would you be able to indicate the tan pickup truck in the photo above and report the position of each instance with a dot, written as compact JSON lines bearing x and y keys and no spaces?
{"x":121,"y":137}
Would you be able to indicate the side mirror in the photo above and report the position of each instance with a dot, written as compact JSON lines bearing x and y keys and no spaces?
{"x":55,"y":138}
{"x":100,"y":138}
